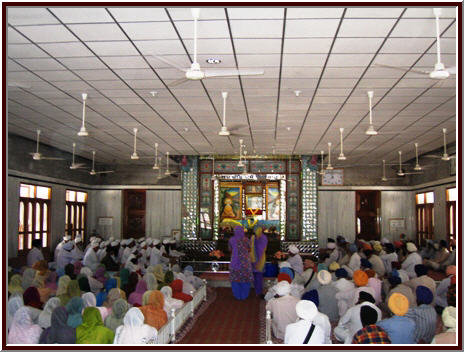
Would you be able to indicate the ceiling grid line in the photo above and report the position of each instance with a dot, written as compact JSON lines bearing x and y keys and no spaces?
{"x":319,"y":80}
{"x":280,"y":74}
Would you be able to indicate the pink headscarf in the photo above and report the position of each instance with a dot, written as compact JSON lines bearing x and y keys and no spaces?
{"x":135,"y":298}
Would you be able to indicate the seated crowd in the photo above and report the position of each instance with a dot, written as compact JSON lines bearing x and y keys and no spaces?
{"x":111,"y":292}
{"x":366,"y":293}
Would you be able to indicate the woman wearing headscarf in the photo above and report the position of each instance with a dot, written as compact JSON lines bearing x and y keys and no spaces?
{"x":95,"y":285}
{"x":92,"y":330}
{"x":77,"y":268}
{"x":134,"y":331}
{"x":168,"y":279}
{"x":124,"y":276}
{"x":258,"y":258}
{"x":46,"y":314}
{"x":88,"y":300}
{"x":31,"y":298}
{"x":71,"y":291}
{"x":151,"y":281}
{"x":59,"y":331}
{"x":146,"y":297}
{"x":177,"y":292}
{"x":63,"y":283}
{"x":69,"y":270}
{"x":42,"y":271}
{"x":449,"y":321}
{"x":113,"y":296}
{"x":169,"y":302}
{"x":28,"y":278}
{"x":158,"y":272}
{"x":116,"y":317}
{"x":15,"y":285}
{"x":135,"y":297}
{"x":101,"y":297}
{"x":153,"y":312}
{"x":131,"y":284}
{"x":22,"y":329}
{"x":83,"y":282}
{"x":74,"y":309}
{"x":14,"y":303}
{"x":50,"y":281}
{"x":195,"y":281}
{"x":241,"y":274}
{"x":100,"y":274}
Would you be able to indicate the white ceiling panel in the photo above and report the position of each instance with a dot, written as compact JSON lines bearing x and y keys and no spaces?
{"x":119,"y":80}
{"x":81,"y":14}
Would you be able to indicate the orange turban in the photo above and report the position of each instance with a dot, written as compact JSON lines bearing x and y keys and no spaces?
{"x":370,"y":273}
{"x":398,"y":304}
{"x":360,"y":278}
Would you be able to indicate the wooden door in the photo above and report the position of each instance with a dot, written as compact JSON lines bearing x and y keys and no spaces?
{"x":368,"y":215}
{"x":134,"y":213}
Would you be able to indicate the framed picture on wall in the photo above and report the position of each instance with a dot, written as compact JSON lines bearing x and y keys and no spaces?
{"x":230,"y":200}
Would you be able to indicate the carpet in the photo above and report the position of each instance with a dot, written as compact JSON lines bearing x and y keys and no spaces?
{"x":227,"y":321}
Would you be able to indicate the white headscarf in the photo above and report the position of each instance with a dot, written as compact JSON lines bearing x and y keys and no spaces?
{"x":170,"y":302}
{"x":151,"y":281}
{"x":46,"y":314}
{"x":22,"y":329}
{"x":89,"y":300}
{"x":14,"y":303}
{"x":63,"y":283}
{"x":134,"y":331}
{"x":28,"y":278}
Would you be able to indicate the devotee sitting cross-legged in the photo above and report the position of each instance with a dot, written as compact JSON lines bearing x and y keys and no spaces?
{"x":370,"y":332}
{"x":304,"y":331}
{"x":282,"y":309}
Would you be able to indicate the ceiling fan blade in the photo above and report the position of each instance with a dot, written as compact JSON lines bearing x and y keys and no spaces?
{"x":104,"y":172}
{"x":178,"y":82}
{"x":232,"y":72}
{"x":146,"y":157}
{"x":170,"y":63}
{"x":451,"y":70}
{"x":50,"y":158}
{"x":438,"y":156}
{"x":236,"y":127}
{"x":403,"y":69}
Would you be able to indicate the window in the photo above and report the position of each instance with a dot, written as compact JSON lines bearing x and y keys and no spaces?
{"x":76,"y":213}
{"x":424,"y":216}
{"x":451,"y":196}
{"x":34,"y":215}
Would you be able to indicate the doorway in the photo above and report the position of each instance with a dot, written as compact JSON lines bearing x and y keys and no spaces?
{"x":368,"y":215}
{"x":134,"y":213}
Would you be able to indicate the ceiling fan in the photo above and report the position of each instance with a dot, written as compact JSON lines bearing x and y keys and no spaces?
{"x":168,"y":172}
{"x":15,"y":84}
{"x":37,"y":155}
{"x":439,"y":70}
{"x":195,"y":72}
{"x":74,"y":165}
{"x":401,"y":172}
{"x":445,"y":156}
{"x":384,"y":177}
{"x":224,"y":130}
{"x":83,"y":132}
{"x":93,"y":172}
{"x":329,"y":165}
{"x":371,"y":130}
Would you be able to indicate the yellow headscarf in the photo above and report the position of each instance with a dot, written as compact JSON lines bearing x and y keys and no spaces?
{"x":262,"y":260}
{"x":159,"y":273}
{"x":15,"y":285}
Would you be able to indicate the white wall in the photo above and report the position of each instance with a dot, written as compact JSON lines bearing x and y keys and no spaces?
{"x":336,"y":215}
{"x":163,"y":212}
{"x":398,"y":205}
{"x":163,"y":209}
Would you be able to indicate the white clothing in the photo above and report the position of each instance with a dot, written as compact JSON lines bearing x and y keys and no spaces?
{"x":14,"y":303}
{"x":89,"y":300}
{"x":134,"y":331}
{"x":377,"y":265}
{"x":77,"y":253}
{"x":90,"y":260}
{"x":323,"y":321}
{"x":126,"y":254}
{"x":283,"y":313}
{"x":22,"y":329}
{"x":350,"y":323}
{"x":344,"y":295}
{"x":442,"y":290}
{"x":64,"y":257}
{"x":101,"y":253}
{"x":58,"y":248}
{"x":170,"y":302}
{"x":34,"y":255}
{"x":388,"y":259}
{"x":410,"y":262}
{"x":354,"y":263}
{"x":296,"y":333}
{"x":296,"y":262}
{"x":46,"y":315}
{"x":95,"y":285}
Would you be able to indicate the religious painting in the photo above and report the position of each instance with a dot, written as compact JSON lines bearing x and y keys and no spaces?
{"x":254,"y":201}
{"x":230,"y":201}
{"x":273,"y":202}
{"x":254,"y":188}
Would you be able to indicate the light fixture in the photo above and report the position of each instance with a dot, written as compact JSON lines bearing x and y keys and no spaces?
{"x":297,"y":92}
{"x":186,"y":129}
{"x":213,"y":61}
{"x":322,"y":163}
{"x":167,"y":173}
{"x":288,"y":128}
{"x":370,"y":130}
{"x":241,"y":163}
{"x":341,"y":156}
{"x":445,"y":156}
{"x":224,"y":131}
{"x":384,"y":177}
{"x":329,"y":165}
{"x":83,"y":132}
{"x":153,"y":93}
